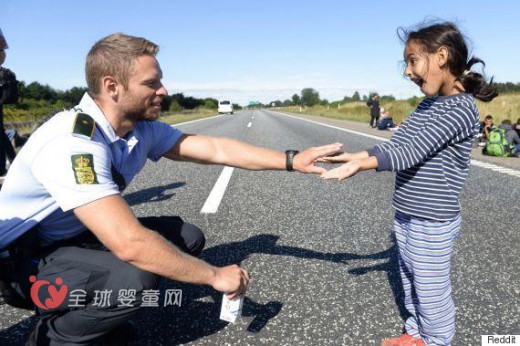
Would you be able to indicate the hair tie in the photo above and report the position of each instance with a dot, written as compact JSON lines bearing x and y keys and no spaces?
{"x":466,"y":72}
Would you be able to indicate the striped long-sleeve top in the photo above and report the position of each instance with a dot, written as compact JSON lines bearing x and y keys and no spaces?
{"x":431,"y":154}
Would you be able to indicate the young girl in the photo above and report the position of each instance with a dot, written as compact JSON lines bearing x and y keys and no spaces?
{"x":431,"y":154}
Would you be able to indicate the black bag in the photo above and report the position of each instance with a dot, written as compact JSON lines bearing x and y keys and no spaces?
{"x":8,"y":87}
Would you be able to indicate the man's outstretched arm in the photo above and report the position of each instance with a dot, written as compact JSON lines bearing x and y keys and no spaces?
{"x":230,"y":152}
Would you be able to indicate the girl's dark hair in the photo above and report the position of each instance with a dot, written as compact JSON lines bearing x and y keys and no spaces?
{"x":446,"y":34}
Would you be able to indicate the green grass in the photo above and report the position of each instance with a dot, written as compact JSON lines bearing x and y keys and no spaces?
{"x":176,"y":118}
{"x":169,"y":118}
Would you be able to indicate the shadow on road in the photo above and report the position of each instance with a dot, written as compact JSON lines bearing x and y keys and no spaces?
{"x":391,"y":267}
{"x":198,"y":315}
{"x":152,"y":194}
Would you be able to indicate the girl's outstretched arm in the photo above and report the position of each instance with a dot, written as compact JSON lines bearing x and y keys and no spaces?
{"x":351,"y":168}
{"x":344,"y":157}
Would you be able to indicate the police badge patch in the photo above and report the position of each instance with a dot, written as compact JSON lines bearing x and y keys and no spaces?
{"x":83,"y":167}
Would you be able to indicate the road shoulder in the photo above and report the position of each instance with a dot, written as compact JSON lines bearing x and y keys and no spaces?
{"x":476,"y":153}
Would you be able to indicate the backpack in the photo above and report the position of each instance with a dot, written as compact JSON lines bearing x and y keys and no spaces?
{"x":8,"y":87}
{"x":497,"y":144}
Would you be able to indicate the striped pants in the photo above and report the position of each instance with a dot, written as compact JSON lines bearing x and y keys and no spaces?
{"x":425,"y":248}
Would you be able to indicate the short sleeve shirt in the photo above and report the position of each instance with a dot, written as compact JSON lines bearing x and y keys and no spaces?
{"x":58,"y":170}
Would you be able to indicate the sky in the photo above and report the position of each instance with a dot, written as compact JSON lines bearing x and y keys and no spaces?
{"x":262,"y":50}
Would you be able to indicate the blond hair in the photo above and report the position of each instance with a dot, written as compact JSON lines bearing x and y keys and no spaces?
{"x":115,"y":55}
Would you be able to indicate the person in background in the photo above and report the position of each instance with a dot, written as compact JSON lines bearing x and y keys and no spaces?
{"x":512,"y":137}
{"x":485,"y":128}
{"x":375,"y":110}
{"x":6,"y":149}
{"x":516,"y":127}
{"x":386,"y":122}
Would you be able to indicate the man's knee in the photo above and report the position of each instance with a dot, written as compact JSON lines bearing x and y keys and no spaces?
{"x":188,"y":237}
{"x":138,"y":279}
{"x":195,"y":239}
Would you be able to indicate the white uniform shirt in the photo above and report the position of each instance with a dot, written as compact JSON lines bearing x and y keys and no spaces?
{"x":43,"y":185}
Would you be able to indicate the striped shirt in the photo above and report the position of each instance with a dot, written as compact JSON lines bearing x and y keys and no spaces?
{"x":431,"y":154}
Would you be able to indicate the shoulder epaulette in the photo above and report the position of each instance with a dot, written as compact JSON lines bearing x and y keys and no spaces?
{"x":83,"y":126}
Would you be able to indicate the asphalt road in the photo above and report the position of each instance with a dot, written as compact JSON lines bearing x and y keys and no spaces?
{"x":321,"y":254}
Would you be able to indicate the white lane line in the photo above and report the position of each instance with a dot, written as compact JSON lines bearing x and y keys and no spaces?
{"x":249,"y":125}
{"x":474,"y":162}
{"x":496,"y":168}
{"x":334,"y":127}
{"x":215,"y":196}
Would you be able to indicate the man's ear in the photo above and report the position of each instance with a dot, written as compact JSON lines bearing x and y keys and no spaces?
{"x":442,"y":56}
{"x":109,"y":85}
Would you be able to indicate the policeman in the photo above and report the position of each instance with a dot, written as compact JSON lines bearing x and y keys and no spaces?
{"x":61,"y":201}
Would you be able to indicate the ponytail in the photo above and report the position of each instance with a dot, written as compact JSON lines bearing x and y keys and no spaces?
{"x":476,"y":84}
{"x":433,"y":36}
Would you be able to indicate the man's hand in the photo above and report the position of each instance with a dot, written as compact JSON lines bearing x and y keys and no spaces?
{"x":304,"y":161}
{"x":343,"y":172}
{"x":231,"y":279}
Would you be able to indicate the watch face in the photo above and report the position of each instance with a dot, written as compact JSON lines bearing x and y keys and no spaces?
{"x":289,"y":156}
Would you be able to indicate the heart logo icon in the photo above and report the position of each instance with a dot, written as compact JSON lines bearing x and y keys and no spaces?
{"x":57,"y":295}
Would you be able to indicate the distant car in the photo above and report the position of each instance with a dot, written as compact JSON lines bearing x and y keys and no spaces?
{"x":225,"y":107}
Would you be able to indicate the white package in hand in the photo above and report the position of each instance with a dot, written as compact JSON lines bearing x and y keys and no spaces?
{"x":231,"y":309}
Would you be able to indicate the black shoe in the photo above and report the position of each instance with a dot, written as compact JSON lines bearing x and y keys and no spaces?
{"x":6,"y":292}
{"x":119,"y":336}
{"x":9,"y":296}
{"x":39,"y":335}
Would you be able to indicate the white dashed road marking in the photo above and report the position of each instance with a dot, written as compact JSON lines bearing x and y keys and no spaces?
{"x":215,"y":196}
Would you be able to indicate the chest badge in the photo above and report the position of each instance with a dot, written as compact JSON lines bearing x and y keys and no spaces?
{"x":83,"y":167}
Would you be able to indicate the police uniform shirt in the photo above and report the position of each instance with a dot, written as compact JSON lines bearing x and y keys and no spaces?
{"x":58,"y":170}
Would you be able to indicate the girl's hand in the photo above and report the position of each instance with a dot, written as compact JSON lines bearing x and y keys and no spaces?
{"x":344,"y":171}
{"x":339,"y":157}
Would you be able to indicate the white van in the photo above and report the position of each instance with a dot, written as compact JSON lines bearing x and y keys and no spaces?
{"x":225,"y":107}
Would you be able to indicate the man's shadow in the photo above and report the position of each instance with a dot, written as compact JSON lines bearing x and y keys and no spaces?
{"x":199,"y":316}
{"x":391,"y":267}
{"x":152,"y":194}
{"x":202,"y":303}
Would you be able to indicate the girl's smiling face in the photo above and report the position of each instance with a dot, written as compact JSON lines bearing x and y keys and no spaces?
{"x":430,"y":70}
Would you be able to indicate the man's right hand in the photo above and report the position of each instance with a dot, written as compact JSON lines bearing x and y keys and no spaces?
{"x":344,"y":157}
{"x":232,"y":280}
{"x":339,"y":158}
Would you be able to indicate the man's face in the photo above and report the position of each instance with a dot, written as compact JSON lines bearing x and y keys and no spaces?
{"x":142,"y":99}
{"x":2,"y":56}
{"x":488,"y":122}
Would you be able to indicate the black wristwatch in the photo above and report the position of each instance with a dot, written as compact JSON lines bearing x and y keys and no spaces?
{"x":289,"y":157}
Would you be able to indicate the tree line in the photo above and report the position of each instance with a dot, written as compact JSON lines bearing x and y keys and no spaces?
{"x":40,"y":92}
{"x":38,"y":99}
{"x":310,"y":97}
